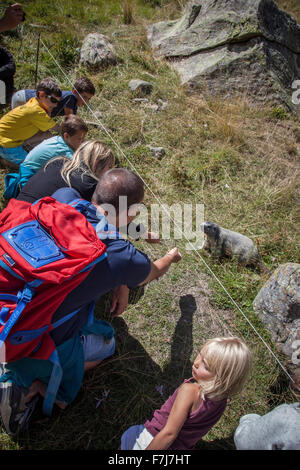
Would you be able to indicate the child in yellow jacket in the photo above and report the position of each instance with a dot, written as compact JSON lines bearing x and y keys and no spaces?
{"x":25,"y":121}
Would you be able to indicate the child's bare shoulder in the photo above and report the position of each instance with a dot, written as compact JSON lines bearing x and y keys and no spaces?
{"x":189,"y":388}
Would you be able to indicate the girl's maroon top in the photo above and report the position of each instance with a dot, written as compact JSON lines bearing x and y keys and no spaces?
{"x":196,"y":425}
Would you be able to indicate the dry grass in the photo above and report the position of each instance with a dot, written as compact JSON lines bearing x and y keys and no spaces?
{"x":128,"y":11}
{"x":290,"y":6}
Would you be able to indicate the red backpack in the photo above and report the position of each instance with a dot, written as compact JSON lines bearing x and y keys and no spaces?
{"x":46,"y":250}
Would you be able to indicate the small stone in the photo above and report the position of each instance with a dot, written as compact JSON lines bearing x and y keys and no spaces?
{"x":157,"y":152}
{"x":140,"y":100}
{"x":152,"y":106}
{"x":162,"y":104}
{"x":141,"y":86}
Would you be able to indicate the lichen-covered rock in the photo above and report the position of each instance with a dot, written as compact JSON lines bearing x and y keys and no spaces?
{"x":278,"y":306}
{"x":96,"y":51}
{"x":140,"y":86}
{"x":229,"y":47}
{"x":207,"y":24}
{"x":277,"y":430}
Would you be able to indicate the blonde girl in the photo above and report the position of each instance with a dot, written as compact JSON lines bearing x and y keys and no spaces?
{"x":82,"y":172}
{"x":91,"y":159}
{"x":219,"y":371}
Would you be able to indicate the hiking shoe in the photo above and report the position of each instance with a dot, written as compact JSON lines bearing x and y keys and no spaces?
{"x":15,"y":414}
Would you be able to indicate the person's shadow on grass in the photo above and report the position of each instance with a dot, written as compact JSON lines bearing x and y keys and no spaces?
{"x":180,"y":365}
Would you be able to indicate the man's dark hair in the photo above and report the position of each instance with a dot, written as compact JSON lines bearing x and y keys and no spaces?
{"x":72,"y":124}
{"x":115,"y":183}
{"x":84,"y":84}
{"x":49,"y":86}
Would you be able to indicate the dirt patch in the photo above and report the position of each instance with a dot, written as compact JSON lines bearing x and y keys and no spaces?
{"x":196,"y":298}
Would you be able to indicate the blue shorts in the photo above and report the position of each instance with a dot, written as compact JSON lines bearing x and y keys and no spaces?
{"x":96,"y":348}
{"x":15,"y":154}
{"x":136,"y":437}
{"x":18,"y":99}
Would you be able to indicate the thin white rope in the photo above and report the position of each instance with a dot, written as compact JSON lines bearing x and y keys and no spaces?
{"x":171,"y":219}
{"x":98,"y":122}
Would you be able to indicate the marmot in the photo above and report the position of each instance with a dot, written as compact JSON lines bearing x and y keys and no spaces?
{"x":221,"y":241}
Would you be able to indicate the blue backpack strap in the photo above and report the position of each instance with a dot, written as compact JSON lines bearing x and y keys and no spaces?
{"x":22,"y":300}
{"x":65,"y":318}
{"x":24,"y":336}
{"x":7,"y":268}
{"x":101,"y":226}
{"x":83,"y":206}
{"x":78,"y":200}
{"x":57,"y":372}
{"x":53,"y":385}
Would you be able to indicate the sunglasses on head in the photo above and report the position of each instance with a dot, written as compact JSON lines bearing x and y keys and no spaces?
{"x":52,"y":99}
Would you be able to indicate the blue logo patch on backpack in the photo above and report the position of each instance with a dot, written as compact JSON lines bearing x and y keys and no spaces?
{"x":32,"y":242}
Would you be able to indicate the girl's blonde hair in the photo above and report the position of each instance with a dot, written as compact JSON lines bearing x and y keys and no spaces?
{"x":90,"y":158}
{"x":229,"y":360}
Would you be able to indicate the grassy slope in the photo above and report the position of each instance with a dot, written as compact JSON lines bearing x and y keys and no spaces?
{"x":241,"y":162}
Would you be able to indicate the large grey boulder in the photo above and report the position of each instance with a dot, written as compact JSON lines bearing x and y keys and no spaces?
{"x":233,"y":46}
{"x":96,"y":51}
{"x":277,"y":430}
{"x":278,"y":306}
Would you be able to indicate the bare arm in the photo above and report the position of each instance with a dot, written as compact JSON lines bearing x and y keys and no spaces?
{"x":177,"y":417}
{"x":119,"y":301}
{"x":161,"y":265}
{"x":158,"y":268}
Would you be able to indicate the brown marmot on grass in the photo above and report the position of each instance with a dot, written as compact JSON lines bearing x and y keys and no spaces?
{"x":223,"y":242}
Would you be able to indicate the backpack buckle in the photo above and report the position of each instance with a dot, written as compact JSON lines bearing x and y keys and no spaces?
{"x":26,"y":295}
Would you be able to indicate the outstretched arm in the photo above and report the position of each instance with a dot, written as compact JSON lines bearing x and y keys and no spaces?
{"x":158,"y":268}
{"x":177,"y":417}
{"x":161,"y":265}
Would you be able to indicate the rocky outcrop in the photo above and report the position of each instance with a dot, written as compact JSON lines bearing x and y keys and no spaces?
{"x":278,"y":306}
{"x":96,"y":51}
{"x":233,"y":46}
